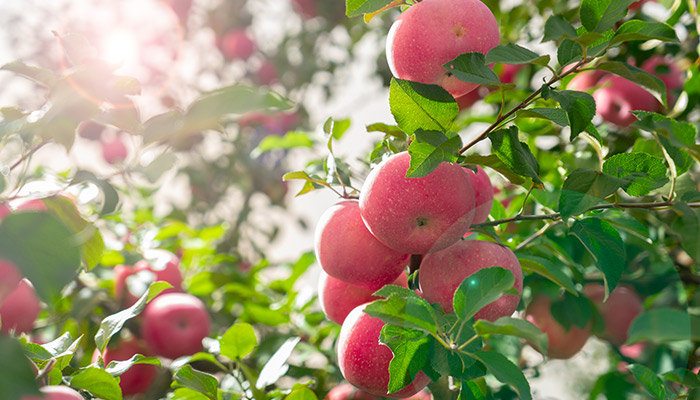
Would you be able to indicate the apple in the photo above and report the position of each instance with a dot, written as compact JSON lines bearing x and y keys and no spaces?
{"x":113,"y":149}
{"x":432,"y":33}
{"x":509,"y":72}
{"x":32,"y":205}
{"x":181,"y":8}
{"x":237,"y":44}
{"x":130,"y":283}
{"x":305,"y":8}
{"x":56,"y":393}
{"x":618,"y":312}
{"x":637,"y":5}
{"x":442,"y":272}
{"x":364,"y":362}
{"x":467,"y":100}
{"x":5,"y":210}
{"x":139,"y":376}
{"x":664,"y":68}
{"x":584,"y":81}
{"x":347,"y":391}
{"x":20,"y":309}
{"x":483,"y":193}
{"x":417,"y":215}
{"x":562,"y":344}
{"x":346,"y":250}
{"x":90,"y":130}
{"x":9,"y":278}
{"x":267,"y":73}
{"x":338,"y":298}
{"x":174,"y":324}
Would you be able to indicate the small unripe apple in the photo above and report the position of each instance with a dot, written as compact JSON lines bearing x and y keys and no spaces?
{"x":338,"y":298}
{"x":174,"y":325}
{"x":483,"y":194}
{"x":562,"y":344}
{"x":432,"y":33}
{"x":9,"y":278}
{"x":20,"y":309}
{"x":347,"y":251}
{"x":237,"y":44}
{"x":114,"y":150}
{"x":364,"y":362}
{"x":442,"y":272}
{"x":417,"y":215}
{"x":618,"y":312}
{"x":140,"y":376}
{"x":55,"y":393}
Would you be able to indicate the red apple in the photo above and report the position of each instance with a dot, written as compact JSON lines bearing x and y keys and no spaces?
{"x":56,"y":393}
{"x":174,"y":324}
{"x":347,"y":391}
{"x":637,"y":5}
{"x":442,"y":272}
{"x":467,"y":100}
{"x":417,"y":215}
{"x":165,"y":265}
{"x":562,"y":344}
{"x":20,"y":309}
{"x":32,"y":205}
{"x":267,"y":74}
{"x":114,"y":150}
{"x":664,"y":68}
{"x":121,"y":290}
{"x":483,"y":193}
{"x":509,"y":72}
{"x":236,"y":44}
{"x":9,"y":278}
{"x":5,"y":210}
{"x":618,"y":312}
{"x":432,"y":33}
{"x":346,"y":250}
{"x":364,"y":362}
{"x":338,"y":298}
{"x":140,"y":376}
{"x":305,"y":8}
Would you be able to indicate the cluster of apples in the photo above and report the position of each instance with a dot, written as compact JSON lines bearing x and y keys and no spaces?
{"x":365,"y":244}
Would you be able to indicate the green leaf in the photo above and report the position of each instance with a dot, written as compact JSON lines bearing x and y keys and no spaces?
{"x":644,"y":171}
{"x":679,"y":133}
{"x":683,"y":376}
{"x":61,"y":350}
{"x":470,"y":390}
{"x":601,"y":15}
{"x":411,"y":352}
{"x":568,"y":52}
{"x":514,"y":153}
{"x":419,"y":106}
{"x":651,"y":83}
{"x":117,"y":368}
{"x":277,"y":365}
{"x":556,"y":115}
{"x":557,"y":27}
{"x":407,"y":310}
{"x":514,"y":327}
{"x":605,"y":245}
{"x":549,"y":270}
{"x":687,"y":226}
{"x":636,"y":29}
{"x":98,"y":382}
{"x":38,"y":75}
{"x":17,"y":377}
{"x":481,"y":289}
{"x":472,"y":68}
{"x":389,"y":130}
{"x":429,"y":149}
{"x":238,"y":341}
{"x":197,"y":381}
{"x":572,"y":310}
{"x":114,"y":323}
{"x":354,"y":8}
{"x":44,"y":249}
{"x":661,"y":325}
{"x":109,"y":194}
{"x":91,"y":245}
{"x":290,"y":140}
{"x":511,"y":54}
{"x":585,"y":188}
{"x":456,"y":363}
{"x":302,"y":393}
{"x":579,"y":107}
{"x":492,"y":161}
{"x":648,"y":380}
{"x":505,"y":371}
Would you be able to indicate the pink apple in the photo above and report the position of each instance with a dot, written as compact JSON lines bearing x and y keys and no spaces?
{"x":431,"y":33}
{"x":637,"y":5}
{"x":442,"y":272}
{"x":114,"y":150}
{"x":5,"y":210}
{"x":140,"y":376}
{"x":618,"y":312}
{"x":267,"y":74}
{"x":305,"y":8}
{"x":583,"y":81}
{"x":483,"y":192}
{"x":664,"y":68}
{"x":509,"y":72}
{"x":618,"y":96}
{"x":32,"y":205}
{"x":347,"y":391}
{"x":346,"y":250}
{"x":20,"y":309}
{"x":467,"y":100}
{"x":56,"y":393}
{"x":165,"y":265}
{"x":9,"y":278}
{"x":417,"y":215}
{"x":121,"y":291}
{"x":562,"y":344}
{"x":364,"y":362}
{"x":174,"y":324}
{"x":237,"y":44}
{"x":338,"y":298}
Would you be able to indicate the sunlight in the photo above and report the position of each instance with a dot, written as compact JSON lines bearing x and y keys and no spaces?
{"x":120,"y":47}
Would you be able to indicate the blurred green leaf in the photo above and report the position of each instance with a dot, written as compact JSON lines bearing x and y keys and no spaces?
{"x":660,"y":325}
{"x":197,"y":381}
{"x":110,"y":196}
{"x":17,"y":377}
{"x":38,"y":75}
{"x":505,"y":371}
{"x":290,"y":140}
{"x":238,"y":341}
{"x":649,"y":380}
{"x":302,"y":393}
{"x":277,"y":365}
{"x":557,"y":28}
{"x":91,"y":243}
{"x":687,"y":226}
{"x":356,"y":8}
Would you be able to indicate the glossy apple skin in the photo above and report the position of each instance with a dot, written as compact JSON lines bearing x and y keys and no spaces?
{"x":236,"y":44}
{"x":618,"y":312}
{"x":338,"y":298}
{"x":9,"y":278}
{"x":432,"y":33}
{"x":347,"y":251}
{"x":114,"y":150}
{"x":140,"y":376}
{"x":56,"y":393}
{"x":483,"y":194}
{"x":417,"y":215}
{"x":20,"y":309}
{"x":364,"y":362}
{"x":667,"y":70}
{"x":174,"y":324}
{"x":442,"y":272}
{"x":562,"y":344}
